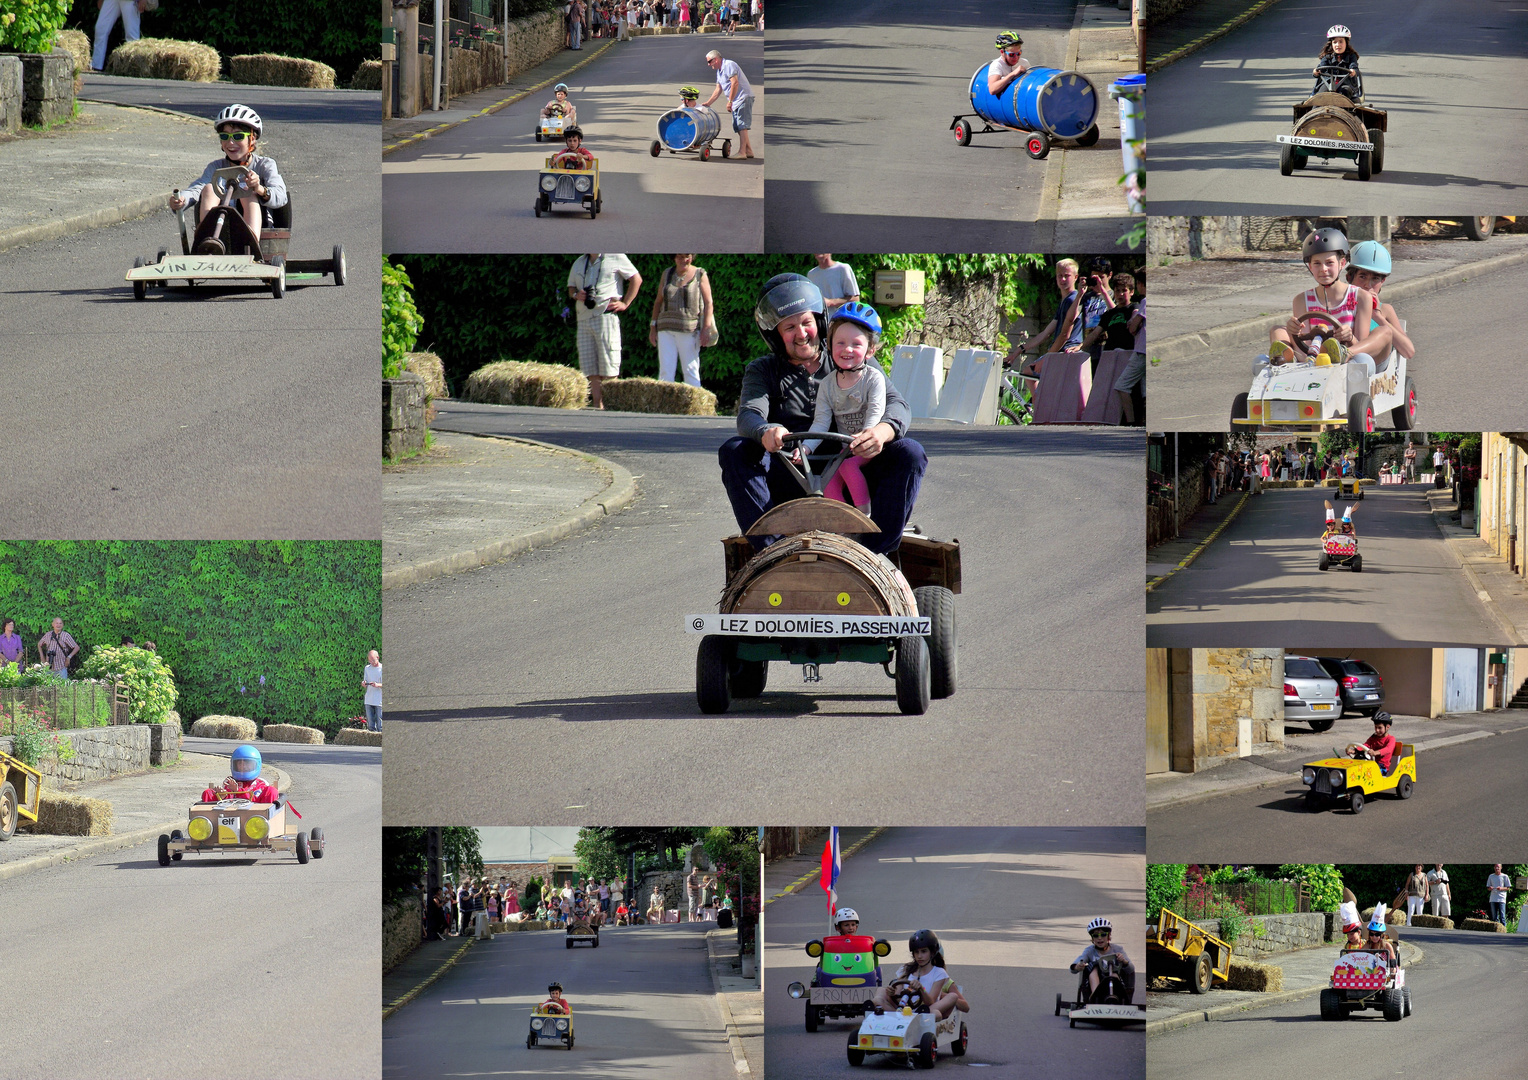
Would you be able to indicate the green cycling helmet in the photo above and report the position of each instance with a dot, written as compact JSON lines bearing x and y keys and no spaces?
{"x":688,"y":92}
{"x":1370,"y":255}
{"x":1008,"y":38}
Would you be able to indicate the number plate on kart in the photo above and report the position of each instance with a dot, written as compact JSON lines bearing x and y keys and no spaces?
{"x":810,"y":626}
{"x":1327,"y":144}
{"x":840,"y":995}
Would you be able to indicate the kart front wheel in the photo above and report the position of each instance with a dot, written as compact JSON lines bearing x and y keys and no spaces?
{"x":278,"y":284}
{"x":1037,"y":145}
{"x":1059,"y":1003}
{"x":1406,"y":1000}
{"x":1365,"y":165}
{"x":1377,"y":159}
{"x":1089,"y":137}
{"x":1238,"y":410}
{"x":856,"y":1055}
{"x":813,"y":1017}
{"x":530,"y":1040}
{"x":337,"y":265}
{"x":316,"y":842}
{"x":1403,"y":788}
{"x":1331,"y":1006}
{"x":726,"y":148}
{"x":1358,"y":564}
{"x":1356,"y":801}
{"x":140,"y":288}
{"x":1286,"y":159}
{"x":164,"y":849}
{"x":1393,"y":1004}
{"x":1404,"y":416}
{"x":962,"y":132}
{"x":301,"y":847}
{"x":712,"y":661}
{"x":1360,"y":413}
{"x":913,"y":674}
{"x":927,"y":1053}
{"x":1325,"y":562}
{"x":656,"y":148}
{"x":938,"y":605}
{"x":1204,"y":972}
{"x":958,"y":1047}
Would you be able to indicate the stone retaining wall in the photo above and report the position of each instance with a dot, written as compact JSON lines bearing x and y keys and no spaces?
{"x":1281,"y":934}
{"x":400,"y":931}
{"x":10,"y":94}
{"x":103,"y":752}
{"x":403,"y":415}
{"x":530,"y":41}
{"x":1158,"y":11}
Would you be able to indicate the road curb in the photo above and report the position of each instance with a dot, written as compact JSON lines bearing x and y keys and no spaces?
{"x":496,"y":106}
{"x":22,"y":235}
{"x":1200,"y":42}
{"x":615,"y":498}
{"x":1483,"y":594}
{"x":729,"y":1025}
{"x":1192,"y":555}
{"x":817,"y":872}
{"x":399,"y":1002}
{"x":1250,"y":331}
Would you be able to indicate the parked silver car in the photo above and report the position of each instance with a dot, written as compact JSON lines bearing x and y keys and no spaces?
{"x":1310,"y":694}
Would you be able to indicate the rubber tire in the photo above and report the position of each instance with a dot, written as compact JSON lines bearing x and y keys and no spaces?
{"x":856,"y":1055}
{"x":1479,"y":228}
{"x":1365,"y":166}
{"x":813,"y":1017}
{"x":1314,"y":804}
{"x":1406,"y":1000}
{"x":1404,"y":416}
{"x":530,"y":1040}
{"x":303,"y":853}
{"x":938,"y":604}
{"x":913,"y":674}
{"x":596,"y":939}
{"x":1059,"y":1003}
{"x":1300,"y":161}
{"x":570,"y":1040}
{"x":726,"y":148}
{"x":567,"y":942}
{"x":1360,"y":417}
{"x":705,"y":153}
{"x":958,"y":1047}
{"x":278,"y":285}
{"x":164,"y":850}
{"x":1325,"y":561}
{"x":140,"y":288}
{"x":748,"y":678}
{"x":1322,"y":725}
{"x":316,"y":834}
{"x":1238,"y":409}
{"x":1403,"y":788}
{"x":1286,"y":159}
{"x":1331,"y":1005}
{"x":928,"y":1053}
{"x":656,"y":148}
{"x":1393,"y":1004}
{"x":1204,"y":974}
{"x":1089,"y":137}
{"x":713,"y":661}
{"x":338,"y":268}
{"x":1013,"y":417}
{"x":1358,"y":564}
{"x":1356,"y":802}
{"x":176,"y":834}
{"x":962,"y":133}
{"x":1037,"y":145}
{"x":1377,"y":155}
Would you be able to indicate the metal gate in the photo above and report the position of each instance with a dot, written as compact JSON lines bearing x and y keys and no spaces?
{"x":1461,"y":680}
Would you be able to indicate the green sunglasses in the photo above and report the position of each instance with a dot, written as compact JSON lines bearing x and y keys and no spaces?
{"x":233,"y":136}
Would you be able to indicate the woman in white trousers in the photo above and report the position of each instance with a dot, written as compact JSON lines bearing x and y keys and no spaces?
{"x":129,"y":10}
{"x":682,"y":314}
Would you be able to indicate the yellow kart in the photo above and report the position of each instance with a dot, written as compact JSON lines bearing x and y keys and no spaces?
{"x":562,"y":187}
{"x":1357,"y":779}
{"x":550,"y":1025}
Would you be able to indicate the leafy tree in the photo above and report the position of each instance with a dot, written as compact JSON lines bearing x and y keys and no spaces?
{"x":1322,"y":880}
{"x":598,"y":856}
{"x":401,"y":321}
{"x":31,"y":25}
{"x":1164,"y":887}
{"x":404,"y":862}
{"x":149,"y":680}
{"x":734,"y":851}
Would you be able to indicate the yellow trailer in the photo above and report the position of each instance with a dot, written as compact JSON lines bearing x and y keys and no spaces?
{"x":20,"y":790}
{"x":1178,"y":949}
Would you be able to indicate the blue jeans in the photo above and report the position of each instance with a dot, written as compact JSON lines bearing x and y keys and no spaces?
{"x":374,"y":718}
{"x":893,"y":475}
{"x":1498,"y":911}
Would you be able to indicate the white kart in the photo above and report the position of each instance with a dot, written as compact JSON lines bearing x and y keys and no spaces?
{"x":912,"y":1034}
{"x":1313,"y":394}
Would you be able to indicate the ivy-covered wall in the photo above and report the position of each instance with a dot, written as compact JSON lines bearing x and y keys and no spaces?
{"x":273,"y":630}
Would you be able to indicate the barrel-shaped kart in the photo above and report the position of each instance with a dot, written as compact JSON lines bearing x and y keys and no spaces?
{"x":1331,"y":125}
{"x":1046,"y":105}
{"x":690,"y":131}
{"x":816,"y":596}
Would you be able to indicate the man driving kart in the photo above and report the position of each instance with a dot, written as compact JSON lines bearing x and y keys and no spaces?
{"x":779,"y":396}
{"x":1380,"y":747}
{"x":1092,"y":959}
{"x":245,"y":782}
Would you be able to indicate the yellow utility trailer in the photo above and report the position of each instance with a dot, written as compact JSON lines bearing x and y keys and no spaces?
{"x":20,"y":790}
{"x":1178,"y":949}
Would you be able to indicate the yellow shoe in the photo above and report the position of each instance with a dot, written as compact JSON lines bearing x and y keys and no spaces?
{"x":1280,"y":352}
{"x":1334,"y":351}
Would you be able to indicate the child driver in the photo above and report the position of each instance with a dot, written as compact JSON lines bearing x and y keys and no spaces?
{"x":260,"y":188}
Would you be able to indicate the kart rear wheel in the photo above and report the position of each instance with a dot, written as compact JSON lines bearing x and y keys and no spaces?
{"x":958,"y":1047}
{"x":962,"y":132}
{"x":162,"y":253}
{"x":1479,"y":228}
{"x":1204,"y":973}
{"x":176,"y":834}
{"x":1238,"y":409}
{"x":1331,"y":1005}
{"x":530,"y":1040}
{"x":1301,"y":160}
{"x":1360,"y":413}
{"x":1403,"y":788}
{"x":1325,"y":561}
{"x":856,"y":1055}
{"x":813,"y":1017}
{"x":567,"y":942}
{"x":1377,"y":160}
{"x":1286,"y":159}
{"x":927,"y":1052}
{"x":140,"y":288}
{"x":726,"y":148}
{"x":1358,"y":564}
{"x":705,"y":153}
{"x":1089,"y":137}
{"x":1037,"y":145}
{"x":1365,"y":165}
{"x":164,"y":848}
{"x":1392,"y":1004}
{"x":301,"y":847}
{"x":912,"y":675}
{"x":712,"y":661}
{"x":538,"y":135}
{"x":1059,"y":1002}
{"x":570,"y":1040}
{"x":316,"y":837}
{"x":656,"y":148}
{"x":337,"y":266}
{"x":938,"y":605}
{"x":1406,"y":1000}
{"x":278,"y":285}
{"x":749,"y":678}
{"x":1356,"y":802}
{"x":1404,"y":416}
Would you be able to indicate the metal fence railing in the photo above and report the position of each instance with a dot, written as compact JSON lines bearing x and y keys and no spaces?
{"x":1203,"y":900}
{"x":78,"y":704}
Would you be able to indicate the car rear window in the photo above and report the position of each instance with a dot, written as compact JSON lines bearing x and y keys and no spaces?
{"x":1304,"y":669}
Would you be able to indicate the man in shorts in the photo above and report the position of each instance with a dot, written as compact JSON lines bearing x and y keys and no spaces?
{"x":731,"y":81}
{"x":836,"y":282}
{"x":595,"y":287}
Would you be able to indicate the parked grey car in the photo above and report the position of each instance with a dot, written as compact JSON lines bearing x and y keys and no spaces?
{"x":1310,"y":694}
{"x":1362,"y":688}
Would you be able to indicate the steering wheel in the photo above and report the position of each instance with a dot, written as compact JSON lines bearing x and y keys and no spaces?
{"x":899,"y":987}
{"x":1308,"y":330}
{"x":811,"y":483}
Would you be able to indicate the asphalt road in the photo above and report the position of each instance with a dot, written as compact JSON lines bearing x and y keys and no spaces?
{"x":1468,"y":998}
{"x":1455,"y":807}
{"x":1446,"y":71}
{"x":575,"y":655}
{"x":124,"y":968}
{"x":1010,"y":907}
{"x":224,"y":413}
{"x":862,"y":157}
{"x":1466,"y":367}
{"x":472,"y":188}
{"x":1258,"y":584}
{"x":643,"y":1005}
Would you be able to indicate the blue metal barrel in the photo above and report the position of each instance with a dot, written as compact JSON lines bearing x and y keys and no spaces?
{"x":688,"y":129}
{"x":1063,"y":103}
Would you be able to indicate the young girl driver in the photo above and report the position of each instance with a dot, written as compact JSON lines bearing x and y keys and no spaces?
{"x":927,"y":968}
{"x":1339,"y":53}
{"x":853,"y":396}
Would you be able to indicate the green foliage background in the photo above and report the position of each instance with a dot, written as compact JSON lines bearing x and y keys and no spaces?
{"x":481,"y":309}
{"x":1164,"y":887}
{"x":400,"y":319}
{"x":300,"y":613}
{"x":404,"y":863}
{"x":30,"y":25}
{"x":340,"y":33}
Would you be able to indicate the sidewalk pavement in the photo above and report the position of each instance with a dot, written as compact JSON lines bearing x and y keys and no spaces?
{"x":472,"y":500}
{"x":1504,"y":593}
{"x":1282,"y":767}
{"x":1306,"y":973}
{"x":1083,"y":183}
{"x":143,"y":806}
{"x":428,"y":962}
{"x":740,"y":1000}
{"x":1249,"y":293}
{"x":111,"y":164}
{"x":796,"y":872}
{"x":1170,"y":556}
{"x":1171,"y":39}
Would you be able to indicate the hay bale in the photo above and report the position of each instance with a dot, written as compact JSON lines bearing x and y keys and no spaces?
{"x":351,"y":736}
{"x":1433,"y":922}
{"x":292,"y":733}
{"x":368,"y":76}
{"x":162,"y":58}
{"x":59,"y":814}
{"x":1485,"y":926}
{"x":269,"y":69}
{"x":1263,"y":978}
{"x":652,"y":396}
{"x":515,"y":382}
{"x":77,"y":45}
{"x":429,"y":368}
{"x":224,"y":727}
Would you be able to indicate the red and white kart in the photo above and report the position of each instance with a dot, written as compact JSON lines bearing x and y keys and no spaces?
{"x":1366,"y":980}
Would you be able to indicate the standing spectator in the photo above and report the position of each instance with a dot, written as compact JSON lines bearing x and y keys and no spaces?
{"x":595,"y":285}
{"x":617,"y":893}
{"x":129,"y":10}
{"x":1437,"y":880}
{"x":12,"y":649}
{"x":435,"y":919}
{"x":731,"y":81}
{"x":1439,"y":457}
{"x":371,"y":679}
{"x":1411,"y":463}
{"x":1064,"y":332}
{"x":684,"y":15}
{"x":493,"y":907}
{"x":605,"y":897}
{"x":576,"y":31}
{"x":836,"y":282}
{"x":511,"y":901}
{"x":758,"y":15}
{"x":1417,"y":891}
{"x":692,"y":887}
{"x":58,"y":649}
{"x":682,"y":317}
{"x":1095,"y":302}
{"x":1498,"y":884}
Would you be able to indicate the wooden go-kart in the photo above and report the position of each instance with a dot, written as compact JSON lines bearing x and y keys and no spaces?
{"x":1331,"y":125}
{"x":239,"y":825}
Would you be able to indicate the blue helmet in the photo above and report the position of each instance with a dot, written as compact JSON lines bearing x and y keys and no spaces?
{"x":245,"y":763}
{"x":856,"y":312}
{"x":1370,"y":255}
{"x":1377,"y":921}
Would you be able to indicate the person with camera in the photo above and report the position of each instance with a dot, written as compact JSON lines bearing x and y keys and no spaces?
{"x":595,"y":285}
{"x":58,"y":649}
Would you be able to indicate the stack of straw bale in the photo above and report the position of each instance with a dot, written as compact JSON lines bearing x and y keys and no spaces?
{"x":1247,"y":975}
{"x":77,"y":45}
{"x":1487,"y":926}
{"x":292,"y":733}
{"x":357,"y":737}
{"x":161,"y":58}
{"x":514,"y":382}
{"x":59,"y":814}
{"x":224,"y":727}
{"x":428,"y":367}
{"x":368,"y":76}
{"x":269,"y":69}
{"x":652,"y":396}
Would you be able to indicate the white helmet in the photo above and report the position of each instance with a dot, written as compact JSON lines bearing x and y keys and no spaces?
{"x":845,"y":914}
{"x":1100,"y":923}
{"x":239,"y":114}
{"x":1339,"y":31}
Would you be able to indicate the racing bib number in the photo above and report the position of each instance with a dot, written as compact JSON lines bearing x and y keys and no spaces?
{"x":840,"y":995}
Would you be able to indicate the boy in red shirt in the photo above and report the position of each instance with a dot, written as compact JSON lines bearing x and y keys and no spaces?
{"x":575,"y":156}
{"x":1381,"y":746}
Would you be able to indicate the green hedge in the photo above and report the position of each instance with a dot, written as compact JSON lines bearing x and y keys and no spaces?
{"x":31,"y":25}
{"x":274,"y":630}
{"x":1164,"y":888}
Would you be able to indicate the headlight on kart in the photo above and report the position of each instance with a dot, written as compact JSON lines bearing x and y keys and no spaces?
{"x":814,"y":948}
{"x":199,"y":828}
{"x":536,"y":1023}
{"x":1308,"y":776}
{"x":1338,"y":778}
{"x":548,"y":183}
{"x":257,"y":828}
{"x":582,"y":183}
{"x":796,"y":990}
{"x":562,"y":1025}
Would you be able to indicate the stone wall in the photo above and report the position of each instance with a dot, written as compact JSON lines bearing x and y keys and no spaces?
{"x":530,"y":41}
{"x":10,"y":94}
{"x":403,"y":412}
{"x":401,"y":924}
{"x":960,"y":314}
{"x":1280,"y":934}
{"x":47,"y":87}
{"x":103,"y":752}
{"x":1230,"y":684}
{"x":1159,"y":11}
